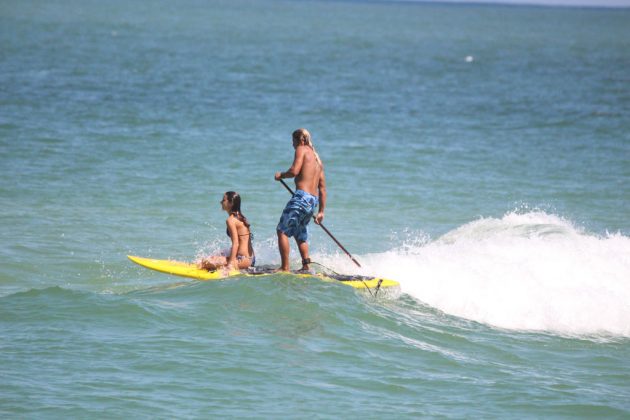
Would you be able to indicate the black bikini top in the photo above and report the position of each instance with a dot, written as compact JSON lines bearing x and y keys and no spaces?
{"x":227,"y":232}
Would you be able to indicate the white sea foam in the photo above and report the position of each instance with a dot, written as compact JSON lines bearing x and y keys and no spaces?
{"x":533,"y":271}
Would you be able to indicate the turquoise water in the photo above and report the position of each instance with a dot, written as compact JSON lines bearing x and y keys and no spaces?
{"x":480,"y":155}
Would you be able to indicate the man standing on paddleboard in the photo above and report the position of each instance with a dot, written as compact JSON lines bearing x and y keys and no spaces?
{"x":310,"y":184}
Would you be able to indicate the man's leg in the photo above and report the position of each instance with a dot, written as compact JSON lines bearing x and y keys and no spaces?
{"x":303,"y":247}
{"x":283,"y":246}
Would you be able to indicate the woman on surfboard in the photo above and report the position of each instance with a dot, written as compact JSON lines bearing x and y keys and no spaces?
{"x":241,"y":254}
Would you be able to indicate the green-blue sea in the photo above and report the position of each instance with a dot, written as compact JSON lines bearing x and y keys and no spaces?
{"x":477,"y":154}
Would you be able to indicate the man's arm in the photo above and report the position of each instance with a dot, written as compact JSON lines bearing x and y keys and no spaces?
{"x":322,"y":198}
{"x":295,"y":168}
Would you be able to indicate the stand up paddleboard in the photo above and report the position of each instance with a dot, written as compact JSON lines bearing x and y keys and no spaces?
{"x":184,"y":269}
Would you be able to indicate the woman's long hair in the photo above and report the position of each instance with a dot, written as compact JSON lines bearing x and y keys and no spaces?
{"x":235,"y":201}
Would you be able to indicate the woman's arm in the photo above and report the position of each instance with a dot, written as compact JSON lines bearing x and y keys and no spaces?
{"x":232,"y":260}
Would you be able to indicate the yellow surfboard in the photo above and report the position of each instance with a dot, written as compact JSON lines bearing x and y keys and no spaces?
{"x":184,"y":269}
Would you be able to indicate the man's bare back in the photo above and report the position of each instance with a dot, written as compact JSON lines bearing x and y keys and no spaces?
{"x":308,"y":177}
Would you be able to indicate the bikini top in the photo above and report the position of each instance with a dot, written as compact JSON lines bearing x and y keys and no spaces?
{"x":227,"y":232}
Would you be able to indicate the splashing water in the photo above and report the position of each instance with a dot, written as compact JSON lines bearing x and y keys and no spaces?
{"x":533,"y":271}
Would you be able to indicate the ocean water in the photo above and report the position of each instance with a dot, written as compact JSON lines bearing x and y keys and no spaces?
{"x":480,"y":155}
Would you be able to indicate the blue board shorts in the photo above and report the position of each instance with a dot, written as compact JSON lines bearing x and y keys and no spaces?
{"x":296,"y":215}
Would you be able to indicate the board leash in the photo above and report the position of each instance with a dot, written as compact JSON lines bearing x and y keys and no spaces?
{"x":378,"y":286}
{"x":327,"y":268}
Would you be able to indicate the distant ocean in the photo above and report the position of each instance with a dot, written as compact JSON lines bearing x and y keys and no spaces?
{"x":477,"y":154}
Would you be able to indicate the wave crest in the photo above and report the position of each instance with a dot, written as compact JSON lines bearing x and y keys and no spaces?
{"x":529,"y":271}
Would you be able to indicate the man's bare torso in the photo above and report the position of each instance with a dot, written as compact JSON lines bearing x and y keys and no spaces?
{"x":310,"y":173}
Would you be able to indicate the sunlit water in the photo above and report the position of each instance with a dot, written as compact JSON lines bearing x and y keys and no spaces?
{"x":479,"y":155}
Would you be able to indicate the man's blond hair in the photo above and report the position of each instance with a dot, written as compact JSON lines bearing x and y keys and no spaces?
{"x":302,"y":136}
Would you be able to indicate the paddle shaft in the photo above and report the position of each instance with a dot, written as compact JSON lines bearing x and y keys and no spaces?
{"x":326,"y":230}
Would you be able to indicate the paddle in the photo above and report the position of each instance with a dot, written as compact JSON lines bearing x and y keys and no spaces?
{"x":326,"y":230}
